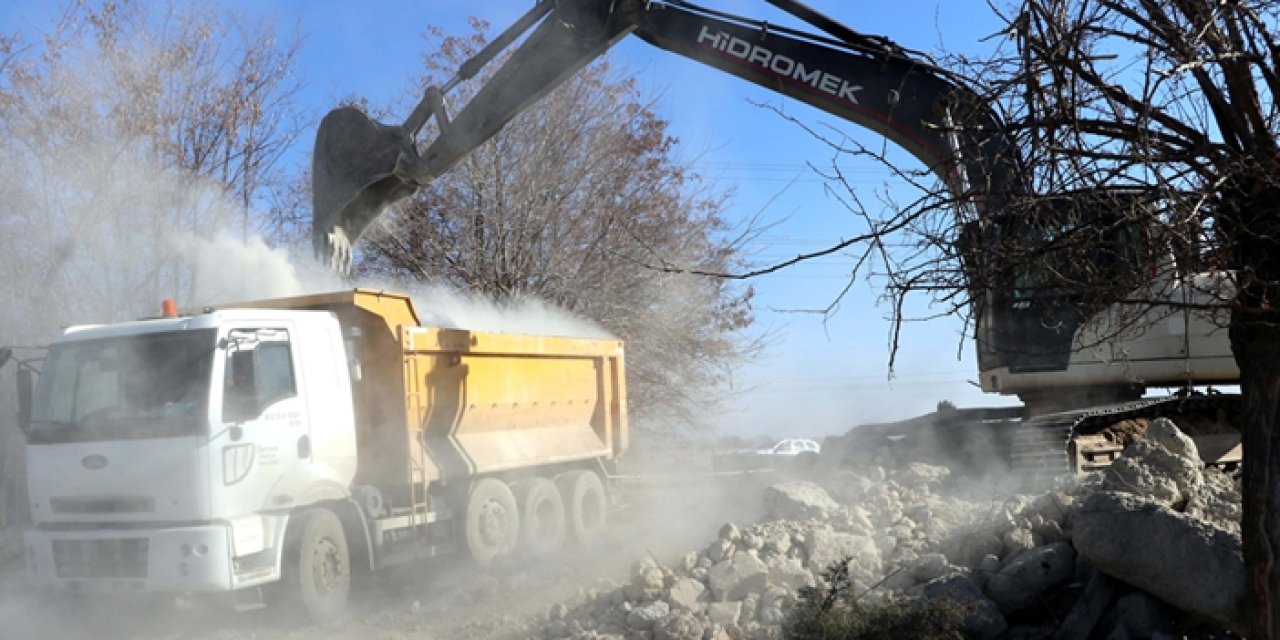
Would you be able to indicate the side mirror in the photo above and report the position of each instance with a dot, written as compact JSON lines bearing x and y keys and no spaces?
{"x":26,"y":390}
{"x":6,"y":354}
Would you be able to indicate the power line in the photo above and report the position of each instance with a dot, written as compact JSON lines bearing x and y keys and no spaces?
{"x":779,"y":166}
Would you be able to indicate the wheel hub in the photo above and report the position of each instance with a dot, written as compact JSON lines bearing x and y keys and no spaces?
{"x":328,"y":573}
{"x":493,"y":519}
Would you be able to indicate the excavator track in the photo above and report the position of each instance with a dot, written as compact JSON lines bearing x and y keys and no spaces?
{"x":1038,"y":453}
{"x":1050,"y":446}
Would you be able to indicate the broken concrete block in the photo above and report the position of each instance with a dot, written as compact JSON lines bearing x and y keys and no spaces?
{"x":1148,"y":469}
{"x":1022,"y":581}
{"x":825,"y":547}
{"x":680,"y":625}
{"x":1217,"y":502}
{"x":686,"y":594}
{"x":920,"y":475}
{"x":790,"y":573}
{"x":930,"y":566}
{"x":724,"y":613}
{"x":1143,"y":615}
{"x":1164,"y":432}
{"x":1088,"y":609}
{"x":646,"y":616}
{"x":1182,"y":560}
{"x":736,"y":577}
{"x":798,"y":500}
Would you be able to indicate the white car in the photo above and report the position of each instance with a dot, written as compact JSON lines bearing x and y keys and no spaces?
{"x":785,"y":453}
{"x":791,"y":447}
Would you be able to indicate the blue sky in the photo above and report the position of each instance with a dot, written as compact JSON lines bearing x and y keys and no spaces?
{"x":818,"y":377}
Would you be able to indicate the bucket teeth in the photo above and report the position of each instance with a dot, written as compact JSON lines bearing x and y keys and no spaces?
{"x":338,"y":250}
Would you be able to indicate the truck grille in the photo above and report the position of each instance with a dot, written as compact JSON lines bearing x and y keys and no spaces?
{"x":103,"y":505}
{"x":88,"y":559}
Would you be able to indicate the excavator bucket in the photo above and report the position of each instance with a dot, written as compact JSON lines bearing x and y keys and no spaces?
{"x":353,"y":179}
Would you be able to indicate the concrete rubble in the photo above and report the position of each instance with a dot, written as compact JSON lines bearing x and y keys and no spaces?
{"x":1149,"y":547}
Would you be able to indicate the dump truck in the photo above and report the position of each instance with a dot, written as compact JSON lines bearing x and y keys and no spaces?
{"x":270,"y":449}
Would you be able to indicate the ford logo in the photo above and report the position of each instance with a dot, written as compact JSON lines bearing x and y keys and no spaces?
{"x":94,"y":462}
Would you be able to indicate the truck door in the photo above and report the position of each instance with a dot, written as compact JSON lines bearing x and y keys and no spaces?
{"x":264,"y":438}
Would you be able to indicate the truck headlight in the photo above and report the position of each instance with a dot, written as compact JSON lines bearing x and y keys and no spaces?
{"x":237,"y":459}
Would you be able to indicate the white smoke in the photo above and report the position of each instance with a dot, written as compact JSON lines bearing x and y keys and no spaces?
{"x":443,"y":306}
{"x":225,"y":269}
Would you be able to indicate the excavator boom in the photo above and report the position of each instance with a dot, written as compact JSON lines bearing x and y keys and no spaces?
{"x":1027,"y":343}
{"x":361,"y":167}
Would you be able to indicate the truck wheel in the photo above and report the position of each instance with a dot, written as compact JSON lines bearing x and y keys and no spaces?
{"x":542,"y":518}
{"x":493,"y":521}
{"x":317,"y":569}
{"x":586,"y":506}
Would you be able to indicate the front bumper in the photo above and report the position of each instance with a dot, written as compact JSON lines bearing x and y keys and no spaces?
{"x":171,"y":559}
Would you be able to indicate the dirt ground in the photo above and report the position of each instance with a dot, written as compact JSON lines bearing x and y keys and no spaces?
{"x":445,"y":598}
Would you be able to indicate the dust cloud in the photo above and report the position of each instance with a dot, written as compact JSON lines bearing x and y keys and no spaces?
{"x":226,"y":269}
{"x":443,"y":306}
{"x":132,"y":232}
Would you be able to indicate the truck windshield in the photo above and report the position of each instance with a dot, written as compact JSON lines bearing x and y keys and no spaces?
{"x":144,"y":386}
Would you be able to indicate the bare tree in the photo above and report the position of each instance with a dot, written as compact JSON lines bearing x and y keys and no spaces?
{"x":123,"y":130}
{"x":1168,"y":111}
{"x":1147,"y":132}
{"x":568,"y":204}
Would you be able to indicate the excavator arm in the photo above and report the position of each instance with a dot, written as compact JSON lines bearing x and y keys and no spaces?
{"x":360,"y":166}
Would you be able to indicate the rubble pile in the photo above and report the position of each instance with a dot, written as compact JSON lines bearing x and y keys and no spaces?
{"x":1149,"y":546}
{"x":1159,"y":522}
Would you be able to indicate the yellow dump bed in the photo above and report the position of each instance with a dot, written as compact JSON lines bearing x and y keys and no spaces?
{"x":442,"y":403}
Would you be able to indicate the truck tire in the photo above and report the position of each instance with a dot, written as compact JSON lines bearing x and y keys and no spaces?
{"x":493,"y":521}
{"x":586,"y":506}
{"x":542,"y":516}
{"x":317,"y":566}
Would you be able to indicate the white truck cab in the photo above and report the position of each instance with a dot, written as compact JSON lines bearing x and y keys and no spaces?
{"x":167,"y":454}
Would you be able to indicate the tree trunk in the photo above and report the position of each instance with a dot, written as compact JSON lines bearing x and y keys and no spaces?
{"x":1256,"y":345}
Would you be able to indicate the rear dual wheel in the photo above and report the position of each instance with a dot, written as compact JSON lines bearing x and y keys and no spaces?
{"x":586,"y":506}
{"x":542,"y":516}
{"x":534,"y":515}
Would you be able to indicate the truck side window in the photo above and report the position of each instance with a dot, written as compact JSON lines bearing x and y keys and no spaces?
{"x":257,"y":376}
{"x":275,"y":373}
{"x":239,"y":387}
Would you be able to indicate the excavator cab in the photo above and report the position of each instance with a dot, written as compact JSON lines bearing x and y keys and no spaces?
{"x":1050,"y":264}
